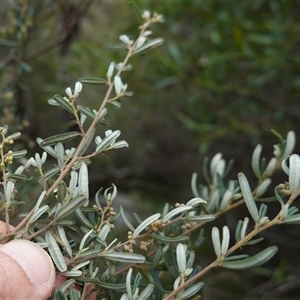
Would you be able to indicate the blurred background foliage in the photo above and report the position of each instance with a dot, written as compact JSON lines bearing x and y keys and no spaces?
{"x":228,"y":73}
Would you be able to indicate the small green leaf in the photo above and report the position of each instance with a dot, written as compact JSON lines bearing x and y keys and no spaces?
{"x":62,"y":138}
{"x":92,"y":80}
{"x":145,"y":224}
{"x":124,"y":257}
{"x":252,"y":261}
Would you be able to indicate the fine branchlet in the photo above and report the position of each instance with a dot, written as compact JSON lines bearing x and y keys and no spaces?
{"x":80,"y":231}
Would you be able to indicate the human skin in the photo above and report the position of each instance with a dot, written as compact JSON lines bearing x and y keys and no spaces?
{"x":26,"y":271}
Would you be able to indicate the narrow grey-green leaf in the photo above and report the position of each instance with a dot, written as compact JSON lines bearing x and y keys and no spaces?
{"x":83,"y":182}
{"x":55,"y":252}
{"x":236,"y":257}
{"x":294,"y":172}
{"x":71,"y":207}
{"x":105,"y":230}
{"x":263,"y":186}
{"x":86,"y":111}
{"x":246,"y":191}
{"x":88,"y":141}
{"x":175,"y":239}
{"x":65,"y":240}
{"x":38,"y":213}
{"x":15,"y":135}
{"x":196,"y":201}
{"x":73,"y":273}
{"x":255,"y":162}
{"x":51,"y":172}
{"x":191,"y":291}
{"x":127,"y":222}
{"x":89,"y":253}
{"x":200,"y":218}
{"x":194,"y":185}
{"x":62,"y":138}
{"x":289,"y":145}
{"x":255,"y":241}
{"x":225,"y":240}
{"x":128,"y":283}
{"x":84,"y":239}
{"x":17,"y":177}
{"x":92,"y":80}
{"x":181,"y":257}
{"x":83,"y":219}
{"x":81,"y":265}
{"x":124,"y":257}
{"x":19,"y":153}
{"x":48,"y":149}
{"x":145,"y":224}
{"x":108,"y":140}
{"x":252,"y":261}
{"x":244,"y":227}
{"x":62,"y":102}
{"x":66,"y":285}
{"x":215,"y":236}
{"x":146,"y":293}
{"x":149,"y":45}
{"x":175,"y":212}
{"x":60,"y":150}
{"x":294,"y":219}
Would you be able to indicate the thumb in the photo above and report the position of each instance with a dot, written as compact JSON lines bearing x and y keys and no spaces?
{"x":26,"y":271}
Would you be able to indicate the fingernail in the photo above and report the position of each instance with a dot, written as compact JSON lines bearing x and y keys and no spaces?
{"x":35,"y":262}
